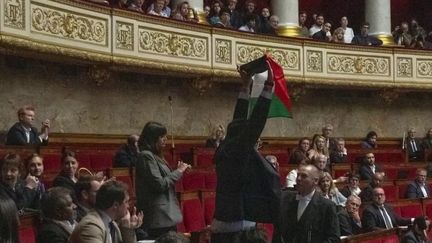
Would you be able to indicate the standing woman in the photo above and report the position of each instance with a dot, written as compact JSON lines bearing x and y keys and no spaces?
{"x":155,"y":182}
{"x":67,"y":177}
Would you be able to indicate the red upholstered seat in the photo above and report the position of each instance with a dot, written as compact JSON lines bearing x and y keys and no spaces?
{"x":208,"y":201}
{"x":412,"y":210}
{"x":427,"y":206}
{"x":101,"y":161}
{"x":210,"y":180}
{"x":193,"y":213}
{"x":402,"y":187}
{"x":391,"y":192}
{"x":341,"y":169}
{"x":52,"y":162}
{"x":269,"y":230}
{"x":203,"y":157}
{"x":193,"y":181}
{"x":28,"y":234}
{"x":123,"y":175}
{"x":373,"y":241}
{"x":84,"y":160}
{"x":281,"y":154}
{"x":391,"y":239}
{"x":179,"y":186}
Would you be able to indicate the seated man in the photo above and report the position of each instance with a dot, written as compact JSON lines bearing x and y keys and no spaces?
{"x":365,"y":39}
{"x":366,"y":194}
{"x":418,"y":188}
{"x":24,"y":133}
{"x":379,"y":215}
{"x":368,"y":167}
{"x":323,"y":34}
{"x":128,"y":153}
{"x":418,"y":231}
{"x":414,"y":146}
{"x":86,"y":189}
{"x":100,"y":224}
{"x":349,"y":218}
{"x":340,"y":154}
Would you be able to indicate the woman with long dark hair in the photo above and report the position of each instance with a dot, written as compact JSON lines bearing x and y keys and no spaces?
{"x":155,"y":182}
{"x":67,"y":176}
{"x":8,"y":220}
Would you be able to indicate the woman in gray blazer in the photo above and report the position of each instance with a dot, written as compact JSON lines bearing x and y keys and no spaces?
{"x":155,"y":182}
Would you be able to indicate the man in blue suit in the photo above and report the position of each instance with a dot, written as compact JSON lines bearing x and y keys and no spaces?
{"x":418,"y":188}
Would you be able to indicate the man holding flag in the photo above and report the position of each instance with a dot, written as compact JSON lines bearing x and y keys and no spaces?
{"x":248,"y":186}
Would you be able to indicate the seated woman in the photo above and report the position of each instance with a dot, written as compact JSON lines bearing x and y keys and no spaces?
{"x":59,"y":216}
{"x":157,"y":9}
{"x":217,"y":137}
{"x":67,"y":177}
{"x":182,"y":13}
{"x":329,"y":190}
{"x":338,"y":35}
{"x":318,"y":147}
{"x":34,"y":170}
{"x":215,"y":11}
{"x":300,"y":153}
{"x":352,"y":188}
{"x":9,"y":221}
{"x":370,"y":141}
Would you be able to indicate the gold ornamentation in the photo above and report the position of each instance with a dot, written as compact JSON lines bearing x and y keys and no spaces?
{"x":424,"y":68}
{"x":124,"y":36}
{"x":14,"y":14}
{"x":404,"y":67}
{"x":172,"y":44}
{"x":201,"y":85}
{"x":223,"y":51}
{"x":387,"y":39}
{"x":69,"y":25}
{"x":287,"y":58}
{"x":389,"y":95}
{"x":99,"y":74}
{"x":338,"y":63}
{"x":289,"y":31}
{"x":314,"y":61}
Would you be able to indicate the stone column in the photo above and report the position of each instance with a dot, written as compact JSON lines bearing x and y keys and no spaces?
{"x":378,"y":14}
{"x":288,"y":13}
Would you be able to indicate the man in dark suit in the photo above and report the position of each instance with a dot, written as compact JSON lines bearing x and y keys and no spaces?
{"x":128,"y":153}
{"x":340,"y":154}
{"x":414,"y":146}
{"x":378,"y":215}
{"x":306,"y":216}
{"x":331,"y":142}
{"x":417,"y":234}
{"x":368,"y":167}
{"x":349,"y":218}
{"x":248,"y":186}
{"x":366,"y":194}
{"x":418,"y":188}
{"x":24,"y":133}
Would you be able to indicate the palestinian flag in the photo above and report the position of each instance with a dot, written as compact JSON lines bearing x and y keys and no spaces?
{"x":281,"y":102}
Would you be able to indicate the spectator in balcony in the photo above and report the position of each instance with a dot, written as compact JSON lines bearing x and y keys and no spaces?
{"x":368,"y":167}
{"x":348,"y":32}
{"x":24,"y":133}
{"x":67,"y":176}
{"x":304,"y":30}
{"x":338,"y":36}
{"x":128,"y":153}
{"x":215,"y":11}
{"x":319,"y":22}
{"x":235,"y":14}
{"x":166,"y":9}
{"x":418,"y":231}
{"x":10,"y":184}
{"x":270,"y":27}
{"x":328,"y":190}
{"x":364,"y":38}
{"x":349,"y":217}
{"x":9,"y":222}
{"x":416,"y":30}
{"x":367,"y":193}
{"x":300,"y":153}
{"x":207,"y":11}
{"x":250,"y":12}
{"x":327,"y":131}
{"x":318,"y":147}
{"x":370,"y":142}
{"x":155,"y":182}
{"x":402,"y":36}
{"x":250,"y":25}
{"x":183,"y":12}
{"x":35,"y":188}
{"x":427,"y":140}
{"x":217,"y":137}
{"x":59,"y":214}
{"x":225,"y":19}
{"x":86,"y":189}
{"x":265,"y":15}
{"x":419,"y":188}
{"x":324,"y":34}
{"x":340,"y":154}
{"x":379,"y":215}
{"x":158,"y":9}
{"x":135,"y":5}
{"x":353,"y":186}
{"x":414,"y":146}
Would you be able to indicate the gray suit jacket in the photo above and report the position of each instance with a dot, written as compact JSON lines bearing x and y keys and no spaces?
{"x":155,"y":191}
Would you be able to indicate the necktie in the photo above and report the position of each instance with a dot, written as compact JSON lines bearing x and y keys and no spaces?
{"x":413,"y":146}
{"x":112,"y":231}
{"x":386,"y":217}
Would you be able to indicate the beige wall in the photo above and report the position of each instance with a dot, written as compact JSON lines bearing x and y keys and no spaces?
{"x":123,"y":104}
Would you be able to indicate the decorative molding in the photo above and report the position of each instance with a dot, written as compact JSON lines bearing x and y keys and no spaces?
{"x":99,"y":74}
{"x":289,"y":59}
{"x":296,"y":91}
{"x":223,"y":51}
{"x":424,"y":68}
{"x":69,"y":25}
{"x":172,"y":44}
{"x":314,"y":61}
{"x":389,"y":95}
{"x":366,"y":65}
{"x":14,"y":14}
{"x":404,"y":67}
{"x":124,"y":36}
{"x":201,"y":84}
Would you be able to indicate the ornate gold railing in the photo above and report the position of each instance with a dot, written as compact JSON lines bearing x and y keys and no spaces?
{"x":114,"y":39}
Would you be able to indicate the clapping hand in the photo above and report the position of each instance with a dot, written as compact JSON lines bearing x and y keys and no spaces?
{"x":132,"y":220}
{"x":182,"y":166}
{"x":31,"y":181}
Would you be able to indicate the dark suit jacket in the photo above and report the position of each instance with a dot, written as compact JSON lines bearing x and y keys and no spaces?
{"x":16,"y":136}
{"x":66,"y":182}
{"x":414,"y":155}
{"x":366,"y":172}
{"x":51,"y":232}
{"x":125,"y":157}
{"x":366,"y":194}
{"x":20,"y":195}
{"x":336,"y":157}
{"x":320,"y":35}
{"x":248,"y":187}
{"x":211,"y":143}
{"x":318,"y":223}
{"x":414,"y":191}
{"x":347,"y":224}
{"x":410,"y":237}
{"x":297,"y":156}
{"x":373,"y":220}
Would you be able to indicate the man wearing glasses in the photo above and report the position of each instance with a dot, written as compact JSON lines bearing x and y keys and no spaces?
{"x":418,"y":188}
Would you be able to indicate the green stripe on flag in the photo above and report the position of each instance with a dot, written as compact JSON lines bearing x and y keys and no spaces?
{"x":277,"y":108}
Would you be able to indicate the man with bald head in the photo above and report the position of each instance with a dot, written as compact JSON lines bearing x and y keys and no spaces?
{"x":128,"y":153}
{"x":379,"y":215}
{"x":366,"y":194}
{"x":306,"y":216}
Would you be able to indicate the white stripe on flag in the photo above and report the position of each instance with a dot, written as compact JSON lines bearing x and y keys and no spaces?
{"x":258,"y":84}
